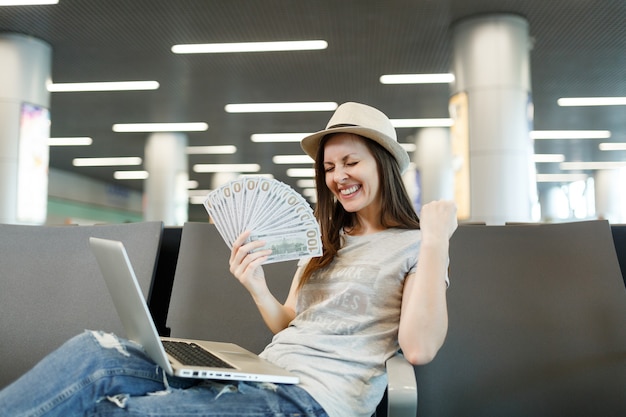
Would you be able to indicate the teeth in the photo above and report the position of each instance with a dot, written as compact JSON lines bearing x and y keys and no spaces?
{"x":350,"y":190}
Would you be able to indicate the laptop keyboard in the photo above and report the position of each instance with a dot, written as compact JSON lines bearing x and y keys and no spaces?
{"x":192,"y":354}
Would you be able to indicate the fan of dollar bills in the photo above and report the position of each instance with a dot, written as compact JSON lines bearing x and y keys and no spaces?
{"x":272,"y":211}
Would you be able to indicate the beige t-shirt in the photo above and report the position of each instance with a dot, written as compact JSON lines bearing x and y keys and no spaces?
{"x":346,"y":323}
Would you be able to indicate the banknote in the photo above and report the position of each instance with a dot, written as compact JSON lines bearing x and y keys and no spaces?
{"x":303,"y":243}
{"x":272,"y":211}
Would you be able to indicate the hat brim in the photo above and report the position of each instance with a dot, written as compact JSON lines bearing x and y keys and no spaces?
{"x":310,"y":144}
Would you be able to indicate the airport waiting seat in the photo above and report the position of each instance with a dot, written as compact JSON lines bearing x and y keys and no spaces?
{"x":619,"y":239}
{"x":51,"y":288}
{"x":207,"y":302}
{"x":537,"y":325}
{"x":159,"y":300}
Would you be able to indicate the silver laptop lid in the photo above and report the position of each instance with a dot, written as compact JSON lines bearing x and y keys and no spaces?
{"x":128,"y":299}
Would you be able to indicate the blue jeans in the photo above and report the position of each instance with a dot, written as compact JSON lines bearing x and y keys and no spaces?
{"x":98,"y":374}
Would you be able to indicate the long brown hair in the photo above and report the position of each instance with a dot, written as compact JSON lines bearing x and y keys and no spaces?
{"x":396,"y":207}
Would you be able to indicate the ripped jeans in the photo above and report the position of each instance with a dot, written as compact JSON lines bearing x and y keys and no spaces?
{"x":98,"y":374}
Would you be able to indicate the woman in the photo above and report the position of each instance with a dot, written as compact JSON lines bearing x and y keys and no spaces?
{"x":379,"y":286}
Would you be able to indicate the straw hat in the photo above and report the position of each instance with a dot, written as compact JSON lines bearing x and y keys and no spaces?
{"x":362,"y":120}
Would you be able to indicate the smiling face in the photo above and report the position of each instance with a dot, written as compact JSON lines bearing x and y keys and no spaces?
{"x":351,"y":174}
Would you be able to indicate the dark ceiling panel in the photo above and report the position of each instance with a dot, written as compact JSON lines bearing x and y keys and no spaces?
{"x":579,"y":50}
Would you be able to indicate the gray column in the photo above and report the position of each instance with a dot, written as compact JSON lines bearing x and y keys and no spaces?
{"x":166,"y":196}
{"x":433,"y":160}
{"x":610,"y":194}
{"x":24,"y":128}
{"x":491,"y":66}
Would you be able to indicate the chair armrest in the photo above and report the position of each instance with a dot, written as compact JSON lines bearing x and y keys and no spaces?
{"x":402,"y":388}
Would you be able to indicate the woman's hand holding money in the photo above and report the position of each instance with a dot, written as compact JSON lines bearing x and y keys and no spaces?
{"x":245,"y":264}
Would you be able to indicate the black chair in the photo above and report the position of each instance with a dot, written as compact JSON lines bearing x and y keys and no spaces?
{"x":159,"y":300}
{"x":619,"y":239}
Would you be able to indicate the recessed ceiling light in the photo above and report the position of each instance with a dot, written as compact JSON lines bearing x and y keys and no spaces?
{"x":269,"y":176}
{"x":202,"y":168}
{"x":570,"y":134}
{"x":309,"y":192}
{"x":103,"y":162}
{"x":440,"y":122}
{"x":27,"y":2}
{"x":75,"y":141}
{"x":292,"y":159}
{"x":161,"y":127}
{"x":130,"y":175}
{"x":612,"y":146}
{"x":417,"y":78}
{"x":103,"y":86}
{"x":561,"y":177}
{"x":197,"y":199}
{"x":301,"y":172}
{"x":277,"y":137}
{"x":211,"y":150}
{"x":199,"y":193}
{"x":218,"y":48}
{"x":569,"y":166}
{"x":280,"y":107}
{"x":548,"y":157}
{"x":306,"y":183}
{"x":592,"y":101}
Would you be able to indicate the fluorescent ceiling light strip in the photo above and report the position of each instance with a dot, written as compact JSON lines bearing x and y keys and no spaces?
{"x":548,"y":157}
{"x":211,"y":150}
{"x":612,"y":146}
{"x":305,"y":183}
{"x":569,"y":166}
{"x":130,"y":175}
{"x":292,"y":159}
{"x":561,"y":177}
{"x":440,"y":122}
{"x":203,"y":168}
{"x":219,"y":48}
{"x":197,"y":199}
{"x":75,"y":141}
{"x":103,"y":86}
{"x":570,"y":134}
{"x":27,"y":2}
{"x":269,"y":176}
{"x":198,"y":193}
{"x":277,"y":137}
{"x":161,"y":127}
{"x":591,"y":101}
{"x":280,"y":107}
{"x":309,"y":192}
{"x":104,"y":162}
{"x":417,"y":78}
{"x":301,"y":172}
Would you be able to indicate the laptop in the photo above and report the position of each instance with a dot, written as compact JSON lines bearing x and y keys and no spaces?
{"x":227,"y":361}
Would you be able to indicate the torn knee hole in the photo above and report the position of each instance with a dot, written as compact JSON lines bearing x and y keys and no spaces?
{"x":110,"y":341}
{"x":119,"y":400}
